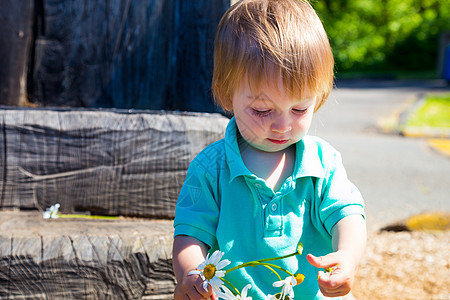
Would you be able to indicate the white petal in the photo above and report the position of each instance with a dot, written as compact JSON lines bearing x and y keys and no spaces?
{"x":205,"y":285}
{"x":245,"y":289}
{"x":224,"y":296}
{"x":223,"y":264}
{"x":202,"y":265}
{"x":278,"y":283}
{"x":216,"y":257}
{"x":228,"y":295}
{"x":216,"y":283}
{"x":207,"y":259}
{"x":220,"y":274}
{"x":194,"y":272}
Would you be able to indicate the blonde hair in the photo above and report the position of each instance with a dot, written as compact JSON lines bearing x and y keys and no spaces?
{"x":262,"y":38}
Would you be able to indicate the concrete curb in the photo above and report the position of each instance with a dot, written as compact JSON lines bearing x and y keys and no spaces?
{"x":438,"y":138}
{"x":425,"y":132}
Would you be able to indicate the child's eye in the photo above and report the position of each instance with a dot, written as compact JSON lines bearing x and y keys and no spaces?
{"x":261,"y":112}
{"x":299,"y":111}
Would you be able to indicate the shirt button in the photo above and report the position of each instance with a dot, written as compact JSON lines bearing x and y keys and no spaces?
{"x":274,"y":207}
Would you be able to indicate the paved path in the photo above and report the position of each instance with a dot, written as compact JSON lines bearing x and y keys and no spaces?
{"x":397,"y":176}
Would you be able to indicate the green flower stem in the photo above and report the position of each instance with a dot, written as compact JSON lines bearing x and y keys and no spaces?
{"x":260,"y":261}
{"x":231,"y":287}
{"x":278,"y":258}
{"x":279,"y":278}
{"x":257,"y":263}
{"x":276,"y":267}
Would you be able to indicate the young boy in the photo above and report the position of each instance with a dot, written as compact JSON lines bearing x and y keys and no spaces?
{"x":267,"y":185}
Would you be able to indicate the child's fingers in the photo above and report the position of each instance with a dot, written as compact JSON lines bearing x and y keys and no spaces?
{"x":214,"y":297}
{"x":326,"y":261}
{"x":205,"y":294}
{"x":334,"y":292}
{"x":183,"y":293}
{"x":192,"y":289}
{"x":335,"y":283}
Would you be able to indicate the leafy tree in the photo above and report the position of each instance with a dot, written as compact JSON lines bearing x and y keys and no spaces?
{"x":374,"y":35}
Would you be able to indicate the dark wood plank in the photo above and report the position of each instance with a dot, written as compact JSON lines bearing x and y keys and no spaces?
{"x":195,"y":28}
{"x":103,"y":162}
{"x":104,"y":53}
{"x":16,"y":20}
{"x":84,"y":259}
{"x":149,"y":54}
{"x":152,"y":54}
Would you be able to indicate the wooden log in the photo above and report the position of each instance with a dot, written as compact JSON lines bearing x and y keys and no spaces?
{"x":104,"y":53}
{"x":103,"y":162}
{"x":16,"y":20}
{"x":84,"y":259}
{"x":149,"y":54}
{"x":195,"y":27}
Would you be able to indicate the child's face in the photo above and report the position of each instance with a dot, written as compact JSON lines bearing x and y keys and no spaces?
{"x":270,"y":120}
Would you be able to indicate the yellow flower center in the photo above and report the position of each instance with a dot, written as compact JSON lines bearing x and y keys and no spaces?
{"x":209,"y":271}
{"x":299,"y":277}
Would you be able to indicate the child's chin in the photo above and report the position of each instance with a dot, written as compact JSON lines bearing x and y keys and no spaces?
{"x":273,"y":147}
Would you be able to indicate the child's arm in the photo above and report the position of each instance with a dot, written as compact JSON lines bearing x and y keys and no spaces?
{"x":349,"y":241}
{"x":188,"y":253}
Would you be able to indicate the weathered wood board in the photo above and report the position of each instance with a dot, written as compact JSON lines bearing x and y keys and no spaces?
{"x":84,"y":259}
{"x":105,"y":162}
{"x":146,"y":54}
{"x":16,"y":22}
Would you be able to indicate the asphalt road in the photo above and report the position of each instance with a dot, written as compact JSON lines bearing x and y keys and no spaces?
{"x":398,"y":176}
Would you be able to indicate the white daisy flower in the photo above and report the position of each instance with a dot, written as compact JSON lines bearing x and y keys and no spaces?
{"x":228,"y":295}
{"x":288,"y":285}
{"x":328,"y":272}
{"x":211,"y":270}
{"x":52,"y":212}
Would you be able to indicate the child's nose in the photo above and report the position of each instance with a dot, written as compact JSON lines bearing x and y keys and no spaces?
{"x":281,"y":125}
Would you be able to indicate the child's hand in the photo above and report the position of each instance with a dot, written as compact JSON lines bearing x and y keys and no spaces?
{"x":340,"y":280}
{"x":191,"y":288}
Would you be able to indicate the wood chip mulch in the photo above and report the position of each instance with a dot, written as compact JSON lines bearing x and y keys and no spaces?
{"x":405,"y":265}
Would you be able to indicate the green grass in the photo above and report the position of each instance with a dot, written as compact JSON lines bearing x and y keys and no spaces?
{"x":74,"y":216}
{"x":434,"y":112}
{"x":391,"y":75}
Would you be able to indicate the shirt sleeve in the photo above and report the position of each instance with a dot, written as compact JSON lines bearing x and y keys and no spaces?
{"x":340,"y":197}
{"x":197,"y":211}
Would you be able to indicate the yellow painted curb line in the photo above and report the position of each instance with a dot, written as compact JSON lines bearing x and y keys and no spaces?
{"x":429,"y":221}
{"x":440,"y":145}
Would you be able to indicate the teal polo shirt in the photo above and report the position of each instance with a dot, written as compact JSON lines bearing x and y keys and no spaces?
{"x":227,"y":207}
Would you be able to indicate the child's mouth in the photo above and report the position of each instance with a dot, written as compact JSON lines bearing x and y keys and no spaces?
{"x":278,"y":141}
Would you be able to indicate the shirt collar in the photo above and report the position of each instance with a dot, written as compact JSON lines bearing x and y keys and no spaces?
{"x":233,"y":155}
{"x":307,"y":159}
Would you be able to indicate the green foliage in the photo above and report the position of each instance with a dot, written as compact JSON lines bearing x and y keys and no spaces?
{"x":374,"y":35}
{"x":434,"y":112}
